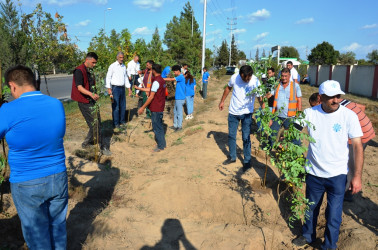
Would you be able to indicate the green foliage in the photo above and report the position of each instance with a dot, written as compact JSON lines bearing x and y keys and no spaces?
{"x":234,"y":51}
{"x":184,"y":47}
{"x":348,"y":58}
{"x":323,"y":53}
{"x":140,"y":48}
{"x":223,"y":54}
{"x":287,"y":157}
{"x":257,"y":56}
{"x":219,"y":73}
{"x":155,"y":48}
{"x":302,"y":70}
{"x":364,"y":62}
{"x":289,"y":51}
{"x":373,"y":57}
{"x":3,"y":163}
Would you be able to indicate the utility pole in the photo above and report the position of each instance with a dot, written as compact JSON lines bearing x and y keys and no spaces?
{"x":231,"y":23}
{"x":203,"y":37}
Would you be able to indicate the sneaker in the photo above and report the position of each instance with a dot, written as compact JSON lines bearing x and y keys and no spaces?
{"x":228,"y":161}
{"x":300,"y":241}
{"x":106,"y":151}
{"x":157,"y":150}
{"x":246,"y":166}
{"x":173,"y":127}
{"x":187,"y":117}
{"x":178,"y":129}
{"x":191,"y":117}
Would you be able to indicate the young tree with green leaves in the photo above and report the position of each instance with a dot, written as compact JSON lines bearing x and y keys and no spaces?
{"x":223,"y":54}
{"x":373,"y":57}
{"x":155,"y":48}
{"x":348,"y":58}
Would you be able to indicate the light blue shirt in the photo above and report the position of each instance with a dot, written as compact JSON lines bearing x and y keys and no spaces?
{"x":284,"y":96}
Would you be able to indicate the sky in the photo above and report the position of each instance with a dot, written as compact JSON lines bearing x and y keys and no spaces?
{"x":348,"y":25}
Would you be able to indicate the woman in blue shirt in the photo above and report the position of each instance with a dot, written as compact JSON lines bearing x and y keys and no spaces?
{"x":190,"y":89}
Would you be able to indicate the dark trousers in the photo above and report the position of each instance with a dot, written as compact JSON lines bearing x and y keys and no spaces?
{"x":204,"y":90}
{"x":93,"y":124}
{"x":315,"y":189}
{"x":158,"y":128}
{"x":134,"y":81}
{"x":119,"y":105}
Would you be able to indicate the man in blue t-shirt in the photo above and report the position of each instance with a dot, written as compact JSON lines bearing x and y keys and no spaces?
{"x":34,"y":126}
{"x":179,"y":98}
{"x":205,"y":81}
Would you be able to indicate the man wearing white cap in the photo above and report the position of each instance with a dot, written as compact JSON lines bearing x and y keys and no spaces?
{"x":327,"y":165}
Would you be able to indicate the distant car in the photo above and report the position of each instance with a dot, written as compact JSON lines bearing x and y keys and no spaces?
{"x":230,"y":70}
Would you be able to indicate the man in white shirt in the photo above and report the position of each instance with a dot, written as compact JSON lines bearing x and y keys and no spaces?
{"x":327,"y":165}
{"x":293,"y":72}
{"x":240,"y":109}
{"x":116,"y":81}
{"x":133,"y":71}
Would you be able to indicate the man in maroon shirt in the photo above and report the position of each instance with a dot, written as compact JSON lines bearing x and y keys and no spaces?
{"x":156,"y":103}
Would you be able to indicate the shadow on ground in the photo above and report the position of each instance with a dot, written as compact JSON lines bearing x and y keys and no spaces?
{"x":172,"y":234}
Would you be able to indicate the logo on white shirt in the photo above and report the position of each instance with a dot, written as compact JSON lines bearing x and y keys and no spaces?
{"x":336,"y":127}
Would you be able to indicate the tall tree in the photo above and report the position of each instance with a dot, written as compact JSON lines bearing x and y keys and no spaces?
{"x":155,"y":47}
{"x":140,"y":48}
{"x":184,"y":47}
{"x":234,"y":52}
{"x":323,"y":53}
{"x":289,"y":51}
{"x":348,"y":58}
{"x":223,"y":54}
{"x":257,"y":54}
{"x":373,"y":57}
{"x":263,"y":53}
{"x":13,"y":45}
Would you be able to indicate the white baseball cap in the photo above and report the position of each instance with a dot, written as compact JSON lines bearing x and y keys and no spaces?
{"x":330,"y":88}
{"x":263,"y":76}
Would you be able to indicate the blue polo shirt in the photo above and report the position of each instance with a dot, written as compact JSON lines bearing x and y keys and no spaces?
{"x":166,"y":72}
{"x":189,"y":87}
{"x":205,"y":77}
{"x":34,"y":126}
{"x":180,"y":87}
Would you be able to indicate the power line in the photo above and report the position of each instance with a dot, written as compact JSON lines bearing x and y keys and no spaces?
{"x":231,"y":23}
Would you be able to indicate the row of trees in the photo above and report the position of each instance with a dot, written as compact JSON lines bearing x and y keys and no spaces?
{"x":324,"y":53}
{"x":37,"y":39}
{"x":222,"y":56}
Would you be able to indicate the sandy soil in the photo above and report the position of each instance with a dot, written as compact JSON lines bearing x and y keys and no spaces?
{"x":183,"y":197}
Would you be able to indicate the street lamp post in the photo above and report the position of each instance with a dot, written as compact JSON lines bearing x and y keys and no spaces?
{"x":104,"y":18}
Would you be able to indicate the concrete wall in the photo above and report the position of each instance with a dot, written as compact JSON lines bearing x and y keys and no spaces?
{"x":339,"y":74}
{"x":361,"y":80}
{"x":323,"y":74}
{"x":311,"y":72}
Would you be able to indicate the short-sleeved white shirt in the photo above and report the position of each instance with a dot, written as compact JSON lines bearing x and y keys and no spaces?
{"x":155,"y":86}
{"x":240,"y":103}
{"x":293,"y":74}
{"x":328,"y":155}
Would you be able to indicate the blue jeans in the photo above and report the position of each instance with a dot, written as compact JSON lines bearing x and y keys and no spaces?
{"x":204,"y":90}
{"x":178,"y":113}
{"x":233,"y":123}
{"x":158,"y":128}
{"x":276,"y":126}
{"x":42,"y":207}
{"x":189,"y":104}
{"x":315,"y":189}
{"x":119,"y":105}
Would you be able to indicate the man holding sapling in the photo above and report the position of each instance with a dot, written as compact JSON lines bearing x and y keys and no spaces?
{"x":34,"y":126}
{"x":327,"y":165}
{"x":83,"y":91}
{"x":240,"y":109}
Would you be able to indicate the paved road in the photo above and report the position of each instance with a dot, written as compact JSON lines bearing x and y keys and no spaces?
{"x":59,"y":87}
